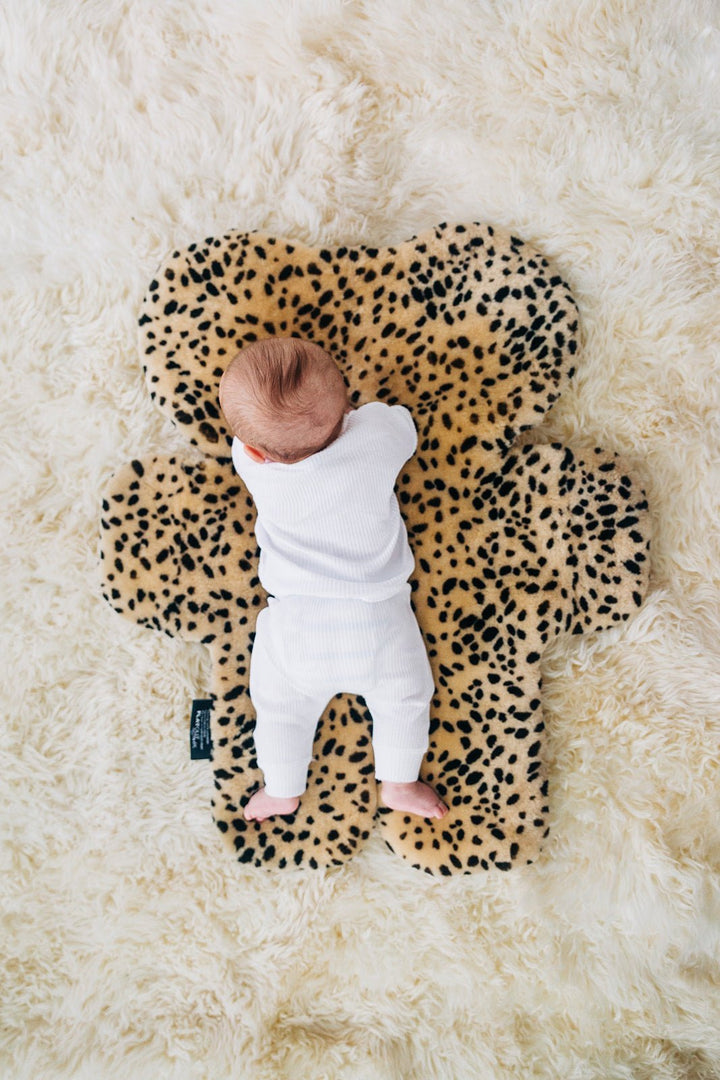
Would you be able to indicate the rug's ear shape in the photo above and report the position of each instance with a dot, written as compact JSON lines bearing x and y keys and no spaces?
{"x":178,"y":549}
{"x":463,"y":322}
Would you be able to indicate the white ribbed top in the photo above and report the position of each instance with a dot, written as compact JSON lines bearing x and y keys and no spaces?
{"x":330,"y":525}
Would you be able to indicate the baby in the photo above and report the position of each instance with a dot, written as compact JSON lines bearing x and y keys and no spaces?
{"x":335,"y":561}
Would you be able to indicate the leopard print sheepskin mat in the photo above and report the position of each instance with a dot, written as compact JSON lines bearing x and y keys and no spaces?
{"x":476,"y":333}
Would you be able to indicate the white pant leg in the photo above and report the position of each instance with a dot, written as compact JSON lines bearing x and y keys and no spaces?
{"x":399,"y":698}
{"x":286,"y":717}
{"x":307,"y":650}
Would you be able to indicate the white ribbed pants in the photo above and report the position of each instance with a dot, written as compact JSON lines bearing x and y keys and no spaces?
{"x":306,"y":650}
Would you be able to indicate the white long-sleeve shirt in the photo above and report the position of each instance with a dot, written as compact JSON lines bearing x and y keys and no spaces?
{"x":330,"y":525}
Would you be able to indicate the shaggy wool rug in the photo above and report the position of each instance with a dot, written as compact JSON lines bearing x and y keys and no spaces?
{"x":131,"y":945}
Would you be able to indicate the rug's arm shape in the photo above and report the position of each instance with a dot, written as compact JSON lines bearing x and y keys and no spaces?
{"x":177,"y":548}
{"x":608,"y":539}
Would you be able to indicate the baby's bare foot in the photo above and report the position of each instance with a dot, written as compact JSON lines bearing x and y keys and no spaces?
{"x":261,"y":806}
{"x":416,"y":798}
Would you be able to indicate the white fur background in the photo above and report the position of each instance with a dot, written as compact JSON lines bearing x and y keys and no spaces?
{"x":132,"y":946}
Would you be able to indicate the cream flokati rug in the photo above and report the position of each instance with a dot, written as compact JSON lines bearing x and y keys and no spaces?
{"x":132,"y":946}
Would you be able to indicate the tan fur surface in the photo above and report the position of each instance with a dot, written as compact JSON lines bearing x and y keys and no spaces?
{"x":131,"y":944}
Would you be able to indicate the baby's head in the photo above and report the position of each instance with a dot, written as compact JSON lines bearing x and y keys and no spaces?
{"x":284,"y":398}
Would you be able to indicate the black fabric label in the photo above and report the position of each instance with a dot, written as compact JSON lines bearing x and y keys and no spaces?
{"x":200,"y":742}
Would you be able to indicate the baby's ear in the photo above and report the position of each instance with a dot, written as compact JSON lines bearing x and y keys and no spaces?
{"x":256,"y":455}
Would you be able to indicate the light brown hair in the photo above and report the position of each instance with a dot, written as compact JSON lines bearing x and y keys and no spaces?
{"x":284,"y":396}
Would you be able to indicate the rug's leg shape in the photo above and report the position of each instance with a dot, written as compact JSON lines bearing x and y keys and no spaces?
{"x":491,"y":773}
{"x":335,"y":816}
{"x":179,"y":555}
